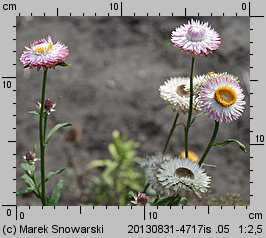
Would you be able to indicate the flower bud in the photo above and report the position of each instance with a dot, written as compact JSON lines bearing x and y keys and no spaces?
{"x":48,"y":104}
{"x":30,"y":156}
{"x":142,"y":199}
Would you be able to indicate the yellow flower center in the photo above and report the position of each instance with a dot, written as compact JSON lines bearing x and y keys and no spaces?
{"x":225,"y":96}
{"x":43,"y":48}
{"x":184,"y":172}
{"x":191,"y":155}
{"x":210,"y":73}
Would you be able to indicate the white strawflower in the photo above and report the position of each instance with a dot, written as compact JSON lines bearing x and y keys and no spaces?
{"x":152,"y":165}
{"x":175,"y":93}
{"x":170,"y":176}
{"x":177,"y":175}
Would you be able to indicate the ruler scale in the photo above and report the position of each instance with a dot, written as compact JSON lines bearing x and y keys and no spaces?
{"x":121,"y":221}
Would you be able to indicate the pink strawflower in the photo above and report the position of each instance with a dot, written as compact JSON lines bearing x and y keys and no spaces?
{"x":221,"y":98}
{"x":196,"y":37}
{"x":44,"y":53}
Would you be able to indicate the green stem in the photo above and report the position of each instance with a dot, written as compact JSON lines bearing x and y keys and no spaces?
{"x":37,"y":190}
{"x":45,"y":125}
{"x":173,"y":200}
{"x":116,"y":173}
{"x":170,"y":134}
{"x":41,"y":137}
{"x":190,"y":105}
{"x":214,"y":134}
{"x":146,"y":187}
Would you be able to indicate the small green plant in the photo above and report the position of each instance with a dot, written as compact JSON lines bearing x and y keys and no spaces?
{"x":119,"y":174}
{"x":43,"y":54}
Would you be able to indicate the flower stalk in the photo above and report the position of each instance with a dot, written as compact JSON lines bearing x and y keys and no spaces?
{"x":190,"y":105}
{"x":214,"y":134}
{"x":170,"y":134}
{"x":42,"y":128}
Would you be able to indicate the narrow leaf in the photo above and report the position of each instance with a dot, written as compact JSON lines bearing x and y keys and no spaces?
{"x":52,"y":174}
{"x":23,"y":191}
{"x":28,"y":168}
{"x":97,"y":163}
{"x":63,"y":64}
{"x":228,"y":141}
{"x":55,"y":196}
{"x":165,"y":201}
{"x":131,"y":194}
{"x":113,"y":151}
{"x":35,"y":148}
{"x":33,"y":112}
{"x":28,"y":181}
{"x":54,"y":130}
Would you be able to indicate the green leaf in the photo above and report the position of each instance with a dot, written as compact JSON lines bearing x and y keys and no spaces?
{"x":56,"y":193}
{"x":54,"y":130}
{"x":33,"y":112}
{"x":131,"y":195}
{"x":28,"y":181}
{"x":97,"y":163}
{"x":28,"y":168}
{"x":35,"y":148}
{"x":165,"y":201}
{"x":63,"y":64}
{"x":209,"y":165}
{"x":228,"y":141}
{"x":23,"y":191}
{"x":183,"y":201}
{"x":52,"y":174}
{"x":26,"y":66}
{"x":113,"y":151}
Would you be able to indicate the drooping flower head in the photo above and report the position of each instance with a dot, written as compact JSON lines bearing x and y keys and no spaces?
{"x":172,"y":176}
{"x":222,"y":98}
{"x":196,"y":37}
{"x":174,"y":92}
{"x":44,"y":53}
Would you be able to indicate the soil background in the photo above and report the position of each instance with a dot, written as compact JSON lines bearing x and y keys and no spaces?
{"x":117,"y":65}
